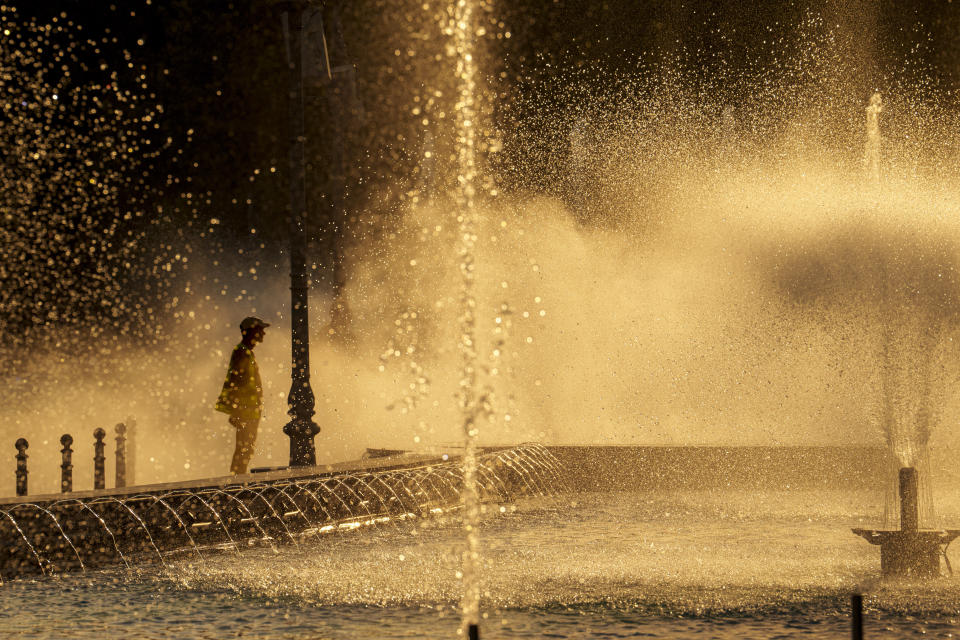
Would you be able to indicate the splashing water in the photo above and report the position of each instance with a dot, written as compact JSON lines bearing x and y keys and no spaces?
{"x":75,"y":140}
{"x":627,"y":329}
{"x":669,"y":346}
{"x":632,"y":332}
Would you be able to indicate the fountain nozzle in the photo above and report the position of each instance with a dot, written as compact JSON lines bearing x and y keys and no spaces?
{"x":909,"y":552}
{"x":909,"y":502}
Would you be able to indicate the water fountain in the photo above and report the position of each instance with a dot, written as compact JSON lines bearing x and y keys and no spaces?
{"x":689,"y":372}
{"x":902,"y":285}
{"x":910,"y":552}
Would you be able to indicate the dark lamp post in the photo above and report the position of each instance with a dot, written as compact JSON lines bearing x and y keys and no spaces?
{"x":301,"y":429}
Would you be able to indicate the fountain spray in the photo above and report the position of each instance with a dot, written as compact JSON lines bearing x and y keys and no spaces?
{"x":463,"y":32}
{"x":909,"y":551}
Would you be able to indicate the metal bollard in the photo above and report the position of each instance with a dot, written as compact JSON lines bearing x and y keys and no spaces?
{"x":98,"y":458}
{"x":131,"y":460}
{"x":473,"y":631}
{"x":856,"y":617}
{"x":66,"y":464}
{"x":121,"y":455}
{"x":21,"y":446}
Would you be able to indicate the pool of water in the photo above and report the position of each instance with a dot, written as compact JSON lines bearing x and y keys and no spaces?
{"x":731,"y":564}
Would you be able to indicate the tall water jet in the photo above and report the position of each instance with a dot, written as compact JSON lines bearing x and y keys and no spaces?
{"x":464,"y":38}
{"x":909,"y":342}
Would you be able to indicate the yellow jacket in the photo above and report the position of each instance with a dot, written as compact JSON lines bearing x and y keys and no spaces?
{"x":242,"y":393}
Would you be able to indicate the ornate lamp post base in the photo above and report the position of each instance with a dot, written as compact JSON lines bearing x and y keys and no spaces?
{"x":301,"y":432}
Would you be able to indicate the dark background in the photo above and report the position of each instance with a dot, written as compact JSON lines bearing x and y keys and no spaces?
{"x":218,"y":69}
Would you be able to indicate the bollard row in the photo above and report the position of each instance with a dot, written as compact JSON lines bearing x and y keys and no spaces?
{"x":66,"y":461}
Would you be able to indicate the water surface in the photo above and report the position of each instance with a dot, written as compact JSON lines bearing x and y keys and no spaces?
{"x":736,"y":564}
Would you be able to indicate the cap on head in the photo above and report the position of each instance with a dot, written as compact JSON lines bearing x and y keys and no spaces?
{"x":252,"y":322}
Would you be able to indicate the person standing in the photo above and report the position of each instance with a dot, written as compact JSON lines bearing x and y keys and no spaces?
{"x":242,"y":394}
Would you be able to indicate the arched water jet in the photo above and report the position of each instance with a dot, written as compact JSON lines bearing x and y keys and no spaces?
{"x":549,"y":462}
{"x":418,"y":492}
{"x":124,"y":508}
{"x":379,"y":477}
{"x":428,"y":476}
{"x":527,"y":469}
{"x":103,"y":523}
{"x":404,"y":486}
{"x":347,"y":510}
{"x":528,"y":454}
{"x":274,"y":516}
{"x":378,"y":517}
{"x":360,"y":501}
{"x":56,"y":523}
{"x":450,"y":475}
{"x":152,"y":502}
{"x":235,"y":514}
{"x":518,"y":472}
{"x":249,"y":515}
{"x":302,"y":488}
{"x":189,"y":495}
{"x":537,"y":468}
{"x":16,"y":526}
{"x":295,"y":509}
{"x":497,"y":484}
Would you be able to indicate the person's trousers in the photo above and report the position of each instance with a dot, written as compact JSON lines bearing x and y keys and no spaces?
{"x":246,"y":437}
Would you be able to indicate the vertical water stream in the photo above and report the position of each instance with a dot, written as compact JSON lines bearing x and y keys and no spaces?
{"x":907,"y":355}
{"x":464,"y":35}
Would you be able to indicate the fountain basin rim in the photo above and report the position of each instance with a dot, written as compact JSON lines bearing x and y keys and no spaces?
{"x":387,"y":463}
{"x":883,"y":536}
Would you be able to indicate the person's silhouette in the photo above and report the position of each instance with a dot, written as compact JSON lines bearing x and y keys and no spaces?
{"x":242,"y":394}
